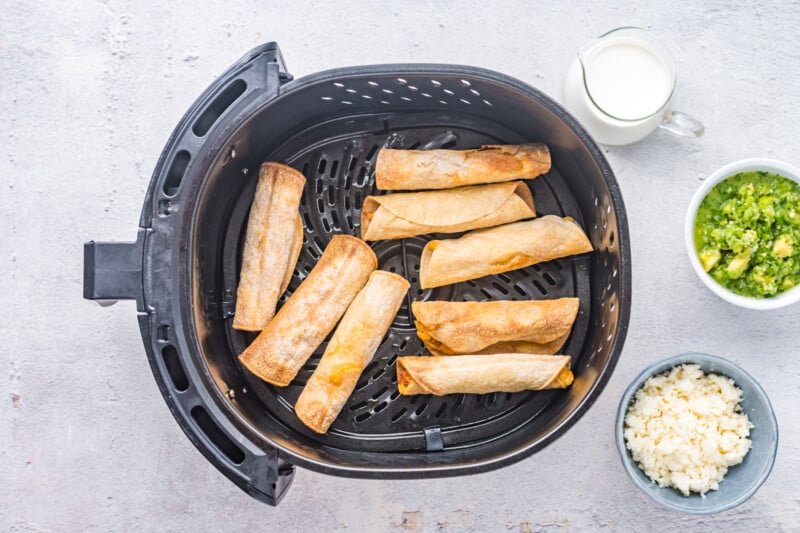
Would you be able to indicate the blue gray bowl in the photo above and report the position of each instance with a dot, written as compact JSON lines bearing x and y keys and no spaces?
{"x":741,"y":481}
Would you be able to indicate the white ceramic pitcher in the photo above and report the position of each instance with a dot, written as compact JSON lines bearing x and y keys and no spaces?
{"x":620,"y":85}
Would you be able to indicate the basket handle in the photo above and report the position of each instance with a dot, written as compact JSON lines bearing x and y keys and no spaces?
{"x":112,"y":271}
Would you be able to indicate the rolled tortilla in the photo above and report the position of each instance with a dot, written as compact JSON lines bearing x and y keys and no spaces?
{"x":303,"y":322}
{"x":480,"y":374}
{"x":351,"y":347}
{"x":531,"y":326}
{"x":500,"y":249}
{"x":271,"y":247}
{"x":444,"y":169}
{"x":396,"y":216}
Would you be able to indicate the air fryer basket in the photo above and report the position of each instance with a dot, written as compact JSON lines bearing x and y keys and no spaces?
{"x":183,"y":268}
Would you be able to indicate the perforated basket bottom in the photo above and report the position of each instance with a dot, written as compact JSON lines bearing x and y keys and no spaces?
{"x":339,"y":172}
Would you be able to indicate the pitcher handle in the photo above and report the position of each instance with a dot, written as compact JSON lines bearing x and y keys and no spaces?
{"x":682,"y":124}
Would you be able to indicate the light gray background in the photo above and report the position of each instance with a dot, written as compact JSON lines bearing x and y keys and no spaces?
{"x":89,"y":92}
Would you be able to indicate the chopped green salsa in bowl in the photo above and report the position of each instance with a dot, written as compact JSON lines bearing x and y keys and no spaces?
{"x":743,"y":233}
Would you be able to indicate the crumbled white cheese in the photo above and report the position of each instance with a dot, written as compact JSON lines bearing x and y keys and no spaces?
{"x":685,"y":429}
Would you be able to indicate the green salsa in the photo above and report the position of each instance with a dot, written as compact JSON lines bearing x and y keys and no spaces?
{"x":747,"y":234}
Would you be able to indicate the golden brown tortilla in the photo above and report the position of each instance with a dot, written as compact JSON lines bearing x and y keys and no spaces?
{"x":351,"y":347}
{"x":271,"y":246}
{"x":444,"y":169}
{"x":480,"y":374}
{"x":500,"y":249}
{"x":396,"y":216}
{"x":503,"y":326}
{"x":303,"y":322}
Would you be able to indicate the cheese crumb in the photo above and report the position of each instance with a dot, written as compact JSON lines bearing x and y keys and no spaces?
{"x":685,"y":428}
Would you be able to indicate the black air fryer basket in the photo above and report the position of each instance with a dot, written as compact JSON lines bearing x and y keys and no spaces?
{"x":182,"y":269}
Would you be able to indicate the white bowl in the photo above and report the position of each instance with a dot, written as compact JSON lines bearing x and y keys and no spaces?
{"x":767,"y":165}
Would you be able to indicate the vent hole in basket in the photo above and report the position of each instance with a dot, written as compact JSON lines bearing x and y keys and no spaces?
{"x":611,"y":238}
{"x":217,"y":436}
{"x":362,"y":417}
{"x":358,"y":406}
{"x":399,"y":414}
{"x":174,"y":368}
{"x":487,"y":102}
{"x":349,"y":221}
{"x":448,"y":91}
{"x":548,"y":278}
{"x":414,"y":146}
{"x":436,"y":83}
{"x":362,"y":177}
{"x":520,"y":290}
{"x":421,"y":409}
{"x":475,"y":92}
{"x":500,"y":288}
{"x":335,"y":221}
{"x":353,"y":162}
{"x":381,"y":406}
{"x":372,"y":152}
{"x":372,"y":84}
{"x":441,"y":410}
{"x":175,"y":173}
{"x":331,"y":196}
{"x":540,"y":287}
{"x":326,"y":225}
{"x":334,"y":168}
{"x":448,"y":144}
{"x":321,"y":166}
{"x":320,"y":206}
{"x":222,"y":102}
{"x":326,"y":98}
{"x":320,"y":185}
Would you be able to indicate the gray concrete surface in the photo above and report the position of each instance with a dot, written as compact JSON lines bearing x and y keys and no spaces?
{"x":89,"y":92}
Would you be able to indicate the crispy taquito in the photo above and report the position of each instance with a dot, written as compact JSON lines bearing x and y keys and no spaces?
{"x":444,"y":169}
{"x":351,"y":347}
{"x":480,"y":374}
{"x":500,"y":249}
{"x":396,"y":216}
{"x":272,"y":244}
{"x":503,"y":326}
{"x":311,"y":312}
